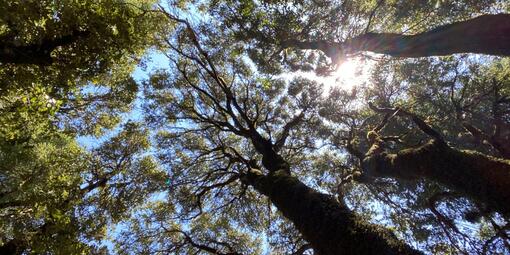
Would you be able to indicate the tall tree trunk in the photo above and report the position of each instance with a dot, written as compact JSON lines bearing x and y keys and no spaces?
{"x":483,"y":178}
{"x":486,"y":34}
{"x":329,"y":226}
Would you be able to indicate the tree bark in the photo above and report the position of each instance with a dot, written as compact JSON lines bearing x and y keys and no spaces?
{"x":486,"y":34}
{"x":482,"y":178}
{"x":329,"y":226}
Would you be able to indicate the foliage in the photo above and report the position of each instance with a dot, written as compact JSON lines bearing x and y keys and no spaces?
{"x":229,"y":107}
{"x":265,"y":26}
{"x":115,"y":35}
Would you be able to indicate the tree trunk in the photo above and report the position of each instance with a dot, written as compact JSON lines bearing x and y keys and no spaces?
{"x":486,"y":34}
{"x":329,"y":226}
{"x":482,"y":178}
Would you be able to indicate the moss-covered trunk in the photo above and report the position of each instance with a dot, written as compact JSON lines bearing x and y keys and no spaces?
{"x":483,"y":178}
{"x":329,"y":226}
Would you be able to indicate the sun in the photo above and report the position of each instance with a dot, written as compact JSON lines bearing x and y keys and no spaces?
{"x":350,"y":73}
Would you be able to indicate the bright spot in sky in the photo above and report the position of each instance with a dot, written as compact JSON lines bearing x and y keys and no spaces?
{"x":349,"y":74}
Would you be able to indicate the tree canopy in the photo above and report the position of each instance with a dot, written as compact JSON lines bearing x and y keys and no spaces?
{"x":213,"y":127}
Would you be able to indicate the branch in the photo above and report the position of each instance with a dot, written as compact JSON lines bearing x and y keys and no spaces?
{"x":302,"y":249}
{"x":372,"y":13}
{"x":333,"y":50}
{"x":351,"y":149}
{"x":202,"y":247}
{"x":485,"y":34}
{"x":432,"y":201}
{"x":422,"y":125}
{"x":495,"y":140}
{"x":270,"y":158}
{"x":286,"y":129}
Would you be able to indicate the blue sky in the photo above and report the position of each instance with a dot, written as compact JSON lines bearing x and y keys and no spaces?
{"x":153,"y":61}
